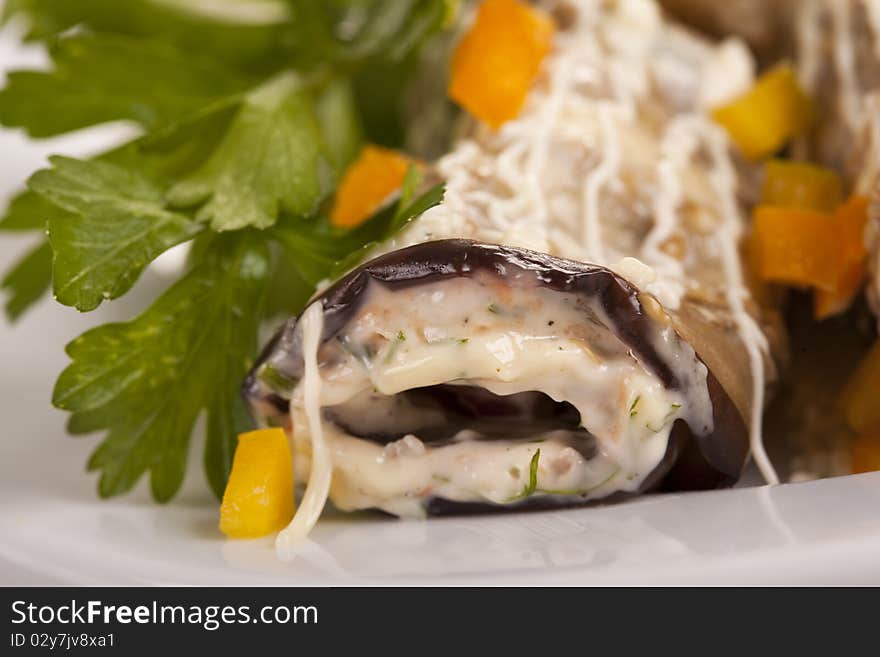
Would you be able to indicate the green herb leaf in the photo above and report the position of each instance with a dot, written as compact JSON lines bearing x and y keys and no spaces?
{"x":248,"y":118}
{"x":27,"y":211}
{"x":634,"y":407}
{"x":394,"y":28}
{"x":313,"y":248}
{"x":669,"y":415}
{"x":288,"y":291}
{"x":28,"y":280}
{"x":532,"y":485}
{"x":272,"y":158}
{"x":255,"y":44}
{"x":533,"y":474}
{"x":146,"y":381}
{"x":115,"y":227}
{"x":100,"y":78}
{"x":339,"y":121}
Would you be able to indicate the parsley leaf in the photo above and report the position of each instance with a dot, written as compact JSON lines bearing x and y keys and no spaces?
{"x":248,"y":117}
{"x":100,"y":78}
{"x":28,"y":280}
{"x":340,"y":124}
{"x":391,"y":29}
{"x":31,"y":277}
{"x":255,"y":44}
{"x":27,"y":211}
{"x":312,"y":248}
{"x":146,"y":380}
{"x":272,"y":158}
{"x":115,"y":227}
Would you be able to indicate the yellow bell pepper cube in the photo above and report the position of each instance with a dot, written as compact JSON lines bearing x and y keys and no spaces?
{"x":768,"y":115}
{"x":861,"y":396}
{"x":376,"y":174}
{"x":258,"y":499}
{"x":801,"y":185}
{"x":496,"y":62}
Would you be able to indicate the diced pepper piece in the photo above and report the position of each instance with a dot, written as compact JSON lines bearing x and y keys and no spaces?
{"x":496,"y":62}
{"x":768,"y":115}
{"x":861,"y":396}
{"x":375,"y":175}
{"x":258,"y":499}
{"x":795,"y":247}
{"x":831,"y":303}
{"x":849,"y":236}
{"x":801,"y":185}
{"x":865,"y":454}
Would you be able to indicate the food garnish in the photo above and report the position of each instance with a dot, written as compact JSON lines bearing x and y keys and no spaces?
{"x":258,"y":499}
{"x":497,"y":60}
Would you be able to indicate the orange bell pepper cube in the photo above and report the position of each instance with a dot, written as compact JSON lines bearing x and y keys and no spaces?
{"x":258,"y":499}
{"x":865,"y":454}
{"x":374,"y":176}
{"x":496,"y":62}
{"x":831,"y":303}
{"x":800,"y":185}
{"x":795,"y":247}
{"x":861,"y":396}
{"x":768,"y":115}
{"x":849,"y":226}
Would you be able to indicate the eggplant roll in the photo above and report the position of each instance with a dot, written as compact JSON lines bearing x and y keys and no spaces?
{"x":572,"y":323}
{"x":467,"y":372}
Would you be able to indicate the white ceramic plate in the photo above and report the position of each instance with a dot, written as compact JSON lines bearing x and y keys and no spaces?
{"x":54,"y":530}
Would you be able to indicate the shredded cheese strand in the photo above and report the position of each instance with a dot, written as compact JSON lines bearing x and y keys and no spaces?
{"x":844,"y":61}
{"x":724,"y":181}
{"x":321,"y":470}
{"x":596,"y":180}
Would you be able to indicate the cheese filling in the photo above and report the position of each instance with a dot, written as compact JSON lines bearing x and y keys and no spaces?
{"x":475,"y":391}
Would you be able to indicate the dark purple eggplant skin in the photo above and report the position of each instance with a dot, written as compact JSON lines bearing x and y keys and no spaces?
{"x":696,"y":458}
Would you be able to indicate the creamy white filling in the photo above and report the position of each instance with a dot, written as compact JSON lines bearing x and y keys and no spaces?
{"x":476,"y":332}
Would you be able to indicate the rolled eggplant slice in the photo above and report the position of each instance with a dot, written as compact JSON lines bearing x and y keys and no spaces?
{"x":460,"y":372}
